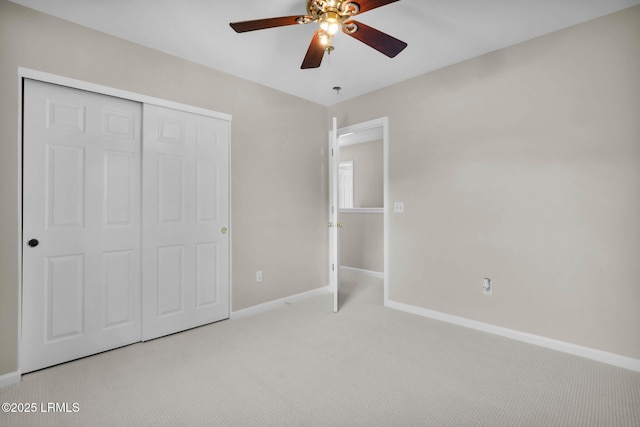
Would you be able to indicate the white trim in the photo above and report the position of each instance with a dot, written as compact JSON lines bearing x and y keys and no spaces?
{"x":230,"y":225}
{"x":360,"y":127}
{"x":20,"y":231}
{"x":362,"y":210}
{"x":362,"y":271}
{"x":10,"y":378}
{"x":553,"y":344}
{"x":334,"y":215}
{"x":387,"y":211}
{"x":105,"y":90}
{"x":371,"y":134}
{"x":271,"y":305}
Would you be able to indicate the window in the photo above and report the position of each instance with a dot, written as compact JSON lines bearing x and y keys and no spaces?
{"x":345,"y":185}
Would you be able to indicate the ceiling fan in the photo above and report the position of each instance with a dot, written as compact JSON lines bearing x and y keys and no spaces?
{"x":332,"y":15}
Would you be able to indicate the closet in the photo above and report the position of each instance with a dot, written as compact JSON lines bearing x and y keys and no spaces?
{"x":125,"y":222}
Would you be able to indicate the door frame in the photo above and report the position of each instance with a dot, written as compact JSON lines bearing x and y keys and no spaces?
{"x":359,"y":127}
{"x":27,"y":73}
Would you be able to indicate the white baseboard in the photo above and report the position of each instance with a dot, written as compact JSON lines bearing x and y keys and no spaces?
{"x":261,"y":308}
{"x":10,"y":378}
{"x":361,"y":271}
{"x":565,"y":347}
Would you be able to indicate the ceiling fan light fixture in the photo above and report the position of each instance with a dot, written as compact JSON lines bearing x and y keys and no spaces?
{"x":330,"y":22}
{"x":325,"y":39}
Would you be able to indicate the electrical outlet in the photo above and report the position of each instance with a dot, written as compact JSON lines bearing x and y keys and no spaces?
{"x":486,"y":286}
{"x":398,"y":207}
{"x":259,"y":276}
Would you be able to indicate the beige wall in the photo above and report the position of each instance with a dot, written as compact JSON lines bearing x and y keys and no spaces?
{"x":367,"y":173}
{"x":362,"y":241}
{"x":278,"y":177}
{"x":522,"y":165}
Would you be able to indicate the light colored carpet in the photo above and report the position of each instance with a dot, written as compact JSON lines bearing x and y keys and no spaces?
{"x":303,"y":365}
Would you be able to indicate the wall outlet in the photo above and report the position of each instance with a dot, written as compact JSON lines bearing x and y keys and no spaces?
{"x":486,"y":286}
{"x":259,"y":276}
{"x":398,"y":207}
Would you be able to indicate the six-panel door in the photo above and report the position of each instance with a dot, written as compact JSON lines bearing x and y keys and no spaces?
{"x":81,"y":224}
{"x":185,"y":217}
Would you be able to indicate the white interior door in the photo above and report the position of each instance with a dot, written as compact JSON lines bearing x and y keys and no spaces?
{"x":334,"y":214}
{"x":185,"y":217}
{"x":81,"y":224}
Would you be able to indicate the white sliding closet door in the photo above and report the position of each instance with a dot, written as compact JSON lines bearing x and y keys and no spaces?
{"x":185,"y":217}
{"x":81,"y":224}
{"x":112,"y":253}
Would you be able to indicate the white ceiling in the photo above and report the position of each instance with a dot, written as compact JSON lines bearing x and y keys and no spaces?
{"x":439,"y":33}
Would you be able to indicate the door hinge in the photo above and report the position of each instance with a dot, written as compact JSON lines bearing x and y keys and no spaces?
{"x":333,"y":267}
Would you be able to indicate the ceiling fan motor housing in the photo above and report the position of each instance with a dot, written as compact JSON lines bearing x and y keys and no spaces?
{"x":341,"y":10}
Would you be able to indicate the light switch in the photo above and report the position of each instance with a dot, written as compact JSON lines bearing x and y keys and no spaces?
{"x":398,"y":207}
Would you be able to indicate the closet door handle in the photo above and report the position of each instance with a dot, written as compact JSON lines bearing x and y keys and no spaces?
{"x":33,"y":243}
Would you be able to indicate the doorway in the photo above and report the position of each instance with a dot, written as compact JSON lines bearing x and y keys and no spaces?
{"x":359,"y":220}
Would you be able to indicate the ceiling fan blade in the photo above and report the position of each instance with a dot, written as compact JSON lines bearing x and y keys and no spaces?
{"x":261,"y":24}
{"x":366,"y":5}
{"x":378,"y":40}
{"x":314,"y":55}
